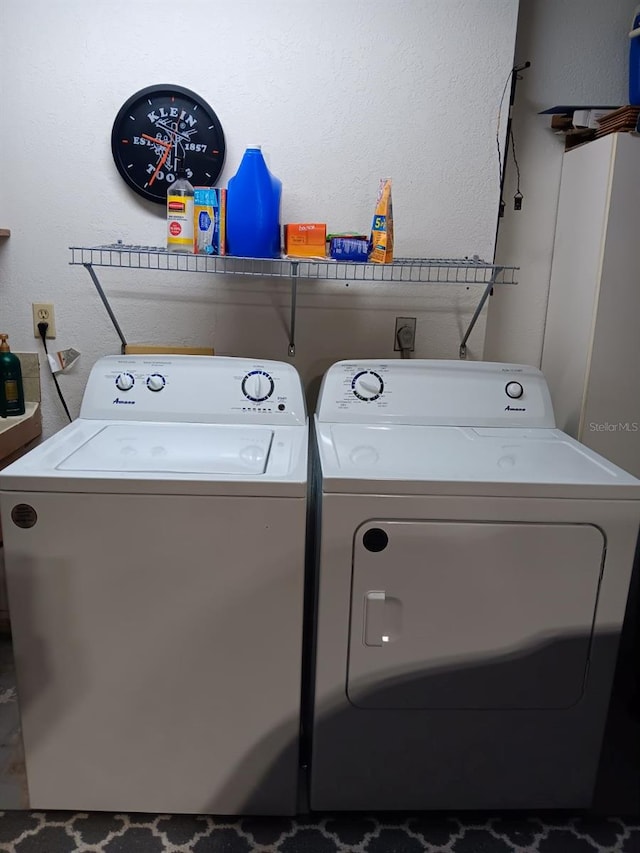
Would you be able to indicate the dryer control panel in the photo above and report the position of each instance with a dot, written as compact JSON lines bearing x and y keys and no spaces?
{"x":193,"y":389}
{"x":435,"y":392}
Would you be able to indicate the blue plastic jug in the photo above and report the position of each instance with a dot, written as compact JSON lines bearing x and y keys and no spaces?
{"x":634,"y":59}
{"x":253,"y":209}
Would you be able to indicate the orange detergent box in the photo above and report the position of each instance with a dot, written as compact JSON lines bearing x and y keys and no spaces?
{"x":305,"y":239}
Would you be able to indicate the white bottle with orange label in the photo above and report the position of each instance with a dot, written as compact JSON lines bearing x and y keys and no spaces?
{"x":180,"y":215}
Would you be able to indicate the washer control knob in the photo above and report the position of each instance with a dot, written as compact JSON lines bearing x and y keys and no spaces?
{"x":156,"y":382}
{"x":367,"y":385}
{"x":514,"y":390}
{"x":125,"y":382}
{"x":257,"y":386}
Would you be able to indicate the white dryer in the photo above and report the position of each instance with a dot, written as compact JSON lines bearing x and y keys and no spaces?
{"x":155,"y":568}
{"x":473,"y":565}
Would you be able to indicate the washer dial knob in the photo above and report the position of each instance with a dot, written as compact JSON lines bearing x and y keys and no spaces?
{"x":367,"y":385}
{"x":156,"y":382}
{"x":257,"y":386}
{"x":514,"y":390}
{"x":125,"y":382}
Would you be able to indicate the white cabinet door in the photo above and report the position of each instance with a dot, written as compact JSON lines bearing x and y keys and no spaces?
{"x":591,"y":348}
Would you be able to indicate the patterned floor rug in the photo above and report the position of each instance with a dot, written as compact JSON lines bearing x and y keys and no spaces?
{"x":64,"y":832}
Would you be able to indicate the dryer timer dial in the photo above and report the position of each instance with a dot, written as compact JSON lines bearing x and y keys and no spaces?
{"x":367,"y":385}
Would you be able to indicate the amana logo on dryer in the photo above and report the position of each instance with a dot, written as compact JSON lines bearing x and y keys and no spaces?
{"x":510,"y":409}
{"x":119,"y":402}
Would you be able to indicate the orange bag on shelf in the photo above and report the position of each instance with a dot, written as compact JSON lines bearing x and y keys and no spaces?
{"x":381,"y":240}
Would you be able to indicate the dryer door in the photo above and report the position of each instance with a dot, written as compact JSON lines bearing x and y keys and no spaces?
{"x":472,"y":614}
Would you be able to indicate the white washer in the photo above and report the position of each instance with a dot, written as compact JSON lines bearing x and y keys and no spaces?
{"x":155,"y":568}
{"x":472,"y":573}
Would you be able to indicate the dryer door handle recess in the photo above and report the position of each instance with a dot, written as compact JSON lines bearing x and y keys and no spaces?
{"x":382,"y":618}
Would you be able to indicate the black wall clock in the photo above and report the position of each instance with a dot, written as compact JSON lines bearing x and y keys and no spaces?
{"x":161,"y":128}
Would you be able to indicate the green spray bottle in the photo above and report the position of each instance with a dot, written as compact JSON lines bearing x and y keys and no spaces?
{"x":11,"y":390}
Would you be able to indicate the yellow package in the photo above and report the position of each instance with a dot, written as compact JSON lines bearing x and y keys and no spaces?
{"x":381,"y":240}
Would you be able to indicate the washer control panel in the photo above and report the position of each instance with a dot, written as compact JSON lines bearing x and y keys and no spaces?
{"x":198,"y":389}
{"x":435,"y":391}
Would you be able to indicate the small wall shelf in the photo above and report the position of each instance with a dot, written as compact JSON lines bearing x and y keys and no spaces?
{"x":465,"y":271}
{"x":5,"y":232}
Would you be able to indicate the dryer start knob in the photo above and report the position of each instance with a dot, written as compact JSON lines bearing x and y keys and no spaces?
{"x":125,"y":382}
{"x":514,"y":390}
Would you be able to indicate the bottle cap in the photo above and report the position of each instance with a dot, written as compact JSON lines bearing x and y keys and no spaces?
{"x":4,"y":343}
{"x":258,"y":147}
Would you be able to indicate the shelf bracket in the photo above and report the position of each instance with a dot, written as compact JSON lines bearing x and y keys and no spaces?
{"x":487,"y":291}
{"x":294,"y":296}
{"x":105,"y":302}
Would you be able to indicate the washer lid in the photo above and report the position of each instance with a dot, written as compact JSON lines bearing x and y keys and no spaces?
{"x":425,"y":458}
{"x":173,"y":448}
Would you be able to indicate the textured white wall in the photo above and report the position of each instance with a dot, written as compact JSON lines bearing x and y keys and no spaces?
{"x":579,"y":55}
{"x":338,"y":93}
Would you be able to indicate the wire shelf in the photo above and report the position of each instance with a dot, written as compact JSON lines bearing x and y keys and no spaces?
{"x":417,"y":270}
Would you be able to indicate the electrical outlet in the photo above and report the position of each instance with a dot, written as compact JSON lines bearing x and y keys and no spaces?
{"x":408,"y":335}
{"x":43,"y":313}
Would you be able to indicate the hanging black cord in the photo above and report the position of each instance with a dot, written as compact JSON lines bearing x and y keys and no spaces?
{"x":518,"y":196}
{"x":42,"y":328}
{"x":514,"y":76}
{"x":500,"y":163}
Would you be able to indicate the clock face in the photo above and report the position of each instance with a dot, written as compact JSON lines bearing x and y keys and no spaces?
{"x":160,"y":129}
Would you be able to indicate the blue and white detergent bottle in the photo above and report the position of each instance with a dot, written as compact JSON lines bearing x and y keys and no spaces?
{"x":634,"y":59}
